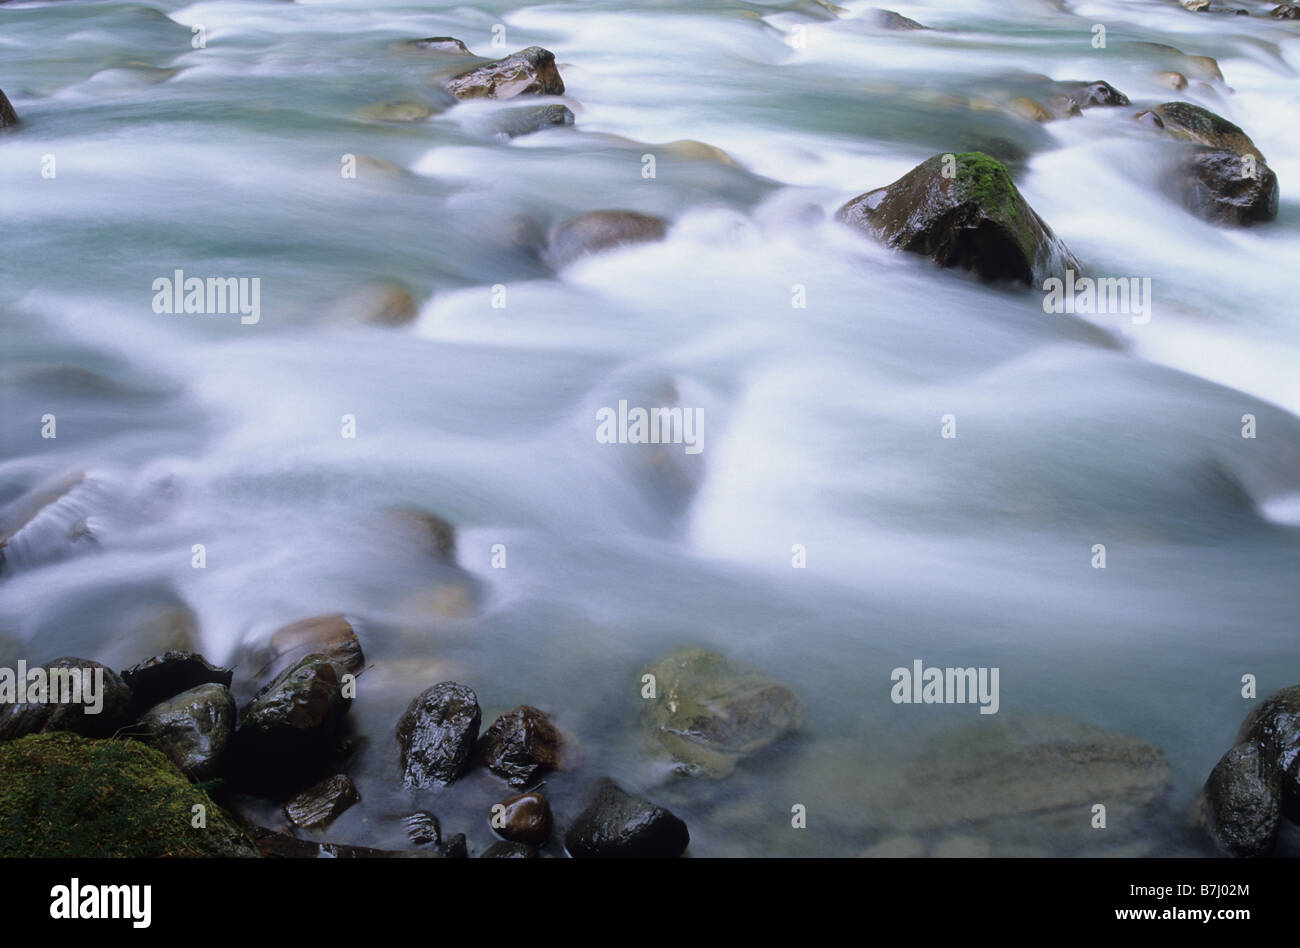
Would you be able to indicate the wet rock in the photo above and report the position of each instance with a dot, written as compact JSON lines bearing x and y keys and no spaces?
{"x":596,"y":231}
{"x":524,"y":819}
{"x":616,"y":824}
{"x":1099,"y":93}
{"x":456,"y":847}
{"x":19,"y":719}
{"x":430,"y":533}
{"x":1275,"y":726}
{"x":167,"y":675}
{"x":1031,"y":109}
{"x":328,"y":635}
{"x":508,"y":850}
{"x":380,"y":304}
{"x":1241,"y":803}
{"x":423,"y":829}
{"x":193,"y":729}
{"x":441,"y":44}
{"x":1285,"y":11}
{"x":889,"y":20}
{"x":273,"y":845}
{"x":291,"y":727}
{"x":516,"y":122}
{"x":1196,"y":6}
{"x":530,"y":71}
{"x":1223,"y":189}
{"x":975,"y":220}
{"x":1172,"y":78}
{"x":1225,"y":178}
{"x":8,"y":117}
{"x":709,"y":713}
{"x":320,"y":804}
{"x":436,"y":734}
{"x":521,"y":746}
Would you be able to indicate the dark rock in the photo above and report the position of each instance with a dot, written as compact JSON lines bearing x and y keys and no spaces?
{"x":456,"y":847}
{"x":320,"y":804}
{"x":273,"y":845}
{"x":1087,"y":95}
{"x":601,"y":230}
{"x":975,"y":219}
{"x":193,"y":729}
{"x":530,"y":71}
{"x":436,"y":734}
{"x":1195,"y":124}
{"x":515,"y":122}
{"x":8,"y":117}
{"x":709,"y":713}
{"x":1241,"y":804}
{"x":17,"y":720}
{"x":521,"y":745}
{"x":167,"y":675}
{"x":617,"y":824}
{"x":1275,"y":726}
{"x":508,"y":850}
{"x":889,"y":20}
{"x":331,"y":635}
{"x":423,"y":829}
{"x":441,"y":44}
{"x":1285,"y":11}
{"x":526,"y":819}
{"x":291,"y":727}
{"x":1222,"y":188}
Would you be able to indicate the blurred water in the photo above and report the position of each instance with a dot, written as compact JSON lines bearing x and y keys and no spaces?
{"x":821,"y":424}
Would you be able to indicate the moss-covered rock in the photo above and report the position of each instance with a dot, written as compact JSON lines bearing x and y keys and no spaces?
{"x":963,"y":211}
{"x":67,"y":796}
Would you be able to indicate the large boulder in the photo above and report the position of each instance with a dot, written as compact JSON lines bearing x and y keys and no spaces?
{"x":616,"y":824}
{"x":436,"y":734}
{"x":596,"y":231}
{"x":530,"y":71}
{"x":289,"y":729}
{"x":1223,"y":178}
{"x":709,"y":713}
{"x":521,"y":745}
{"x":113,"y":698}
{"x":167,"y":675}
{"x":193,"y":729}
{"x":963,"y":211}
{"x":66,"y":796}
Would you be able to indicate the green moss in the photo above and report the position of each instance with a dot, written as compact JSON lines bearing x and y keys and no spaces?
{"x":66,"y":796}
{"x":987,"y":182}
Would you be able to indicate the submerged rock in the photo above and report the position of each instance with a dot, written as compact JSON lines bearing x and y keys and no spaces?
{"x":290,"y":728}
{"x":521,"y":745}
{"x":167,"y":675}
{"x":1195,"y":124}
{"x":8,"y":117}
{"x":19,"y":719}
{"x":709,"y":713}
{"x":596,"y":231}
{"x":436,"y":734}
{"x":378,"y":304}
{"x":524,"y":819}
{"x":963,"y":212}
{"x":441,"y":44}
{"x":65,"y":796}
{"x":889,"y":20}
{"x":430,"y":533}
{"x":616,"y":824}
{"x":193,"y":728}
{"x":1099,"y":93}
{"x":395,"y":111}
{"x":330,"y":635}
{"x":530,"y":71}
{"x":524,"y":121}
{"x":319,"y":805}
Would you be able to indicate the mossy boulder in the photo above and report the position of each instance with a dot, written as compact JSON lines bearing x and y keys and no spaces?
{"x":67,"y":796}
{"x":963,"y":211}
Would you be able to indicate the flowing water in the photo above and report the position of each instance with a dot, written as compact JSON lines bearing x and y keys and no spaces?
{"x":822,"y":423}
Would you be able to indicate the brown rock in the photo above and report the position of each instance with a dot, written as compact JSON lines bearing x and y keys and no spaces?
{"x":521,"y":745}
{"x":530,"y":71}
{"x":524,"y":819}
{"x":319,"y":805}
